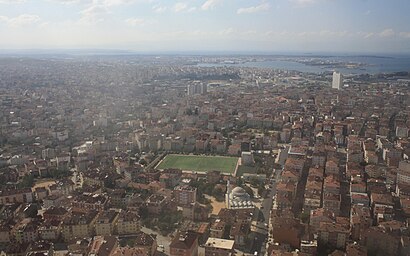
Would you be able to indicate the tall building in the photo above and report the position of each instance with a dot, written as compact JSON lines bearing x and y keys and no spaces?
{"x":185,"y":195}
{"x":191,"y":89}
{"x":197,"y":88}
{"x":337,"y":82}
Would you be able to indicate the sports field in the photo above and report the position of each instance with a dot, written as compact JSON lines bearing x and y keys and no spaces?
{"x":199,"y":163}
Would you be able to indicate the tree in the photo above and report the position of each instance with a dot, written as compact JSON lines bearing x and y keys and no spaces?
{"x":254,"y":182}
{"x":143,"y":212}
{"x":27,"y":181}
{"x":143,"y":162}
{"x":188,"y":112}
{"x":168,"y":221}
{"x":109,"y":182}
{"x":60,"y":173}
{"x":304,"y":217}
{"x":218,"y":193}
{"x":261,"y":189}
{"x":248,"y":190}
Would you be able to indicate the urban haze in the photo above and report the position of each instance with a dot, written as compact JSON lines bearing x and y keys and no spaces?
{"x":204,"y":127}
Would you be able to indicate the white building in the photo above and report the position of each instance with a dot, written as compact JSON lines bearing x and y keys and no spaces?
{"x":217,"y":246}
{"x":337,"y":82}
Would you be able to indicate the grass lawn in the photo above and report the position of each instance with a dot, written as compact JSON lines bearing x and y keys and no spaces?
{"x":199,"y":163}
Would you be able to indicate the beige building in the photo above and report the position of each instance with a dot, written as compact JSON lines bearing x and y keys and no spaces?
{"x":79,"y":225}
{"x":24,"y":195}
{"x":106,"y":222}
{"x":50,"y":230}
{"x":217,"y":229}
{"x":128,"y":223}
{"x":219,"y":247}
{"x":5,"y":234}
{"x":403,"y":174}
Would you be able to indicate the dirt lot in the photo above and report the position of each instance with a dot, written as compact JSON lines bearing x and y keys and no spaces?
{"x":43,"y":183}
{"x":216,"y":206}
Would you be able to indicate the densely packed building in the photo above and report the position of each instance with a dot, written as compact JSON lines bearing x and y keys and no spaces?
{"x":81,"y":141}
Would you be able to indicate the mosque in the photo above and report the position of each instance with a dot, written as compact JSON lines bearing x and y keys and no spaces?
{"x":237,"y":198}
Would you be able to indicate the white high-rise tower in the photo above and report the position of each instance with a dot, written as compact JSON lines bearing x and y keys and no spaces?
{"x":337,"y":82}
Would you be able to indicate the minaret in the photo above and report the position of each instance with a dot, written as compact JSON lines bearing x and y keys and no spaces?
{"x":228,"y":193}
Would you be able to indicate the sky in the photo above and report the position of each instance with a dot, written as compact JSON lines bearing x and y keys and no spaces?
{"x":363,"y":26}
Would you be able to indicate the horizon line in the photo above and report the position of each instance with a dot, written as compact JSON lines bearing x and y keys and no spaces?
{"x":116,"y":51}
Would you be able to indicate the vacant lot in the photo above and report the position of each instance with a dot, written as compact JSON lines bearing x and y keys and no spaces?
{"x":43,"y":183}
{"x":199,"y":163}
{"x":216,"y":206}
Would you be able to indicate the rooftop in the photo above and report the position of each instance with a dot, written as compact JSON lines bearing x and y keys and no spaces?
{"x":220,"y":243}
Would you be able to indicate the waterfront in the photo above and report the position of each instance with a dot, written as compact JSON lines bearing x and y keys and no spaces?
{"x":367,"y":64}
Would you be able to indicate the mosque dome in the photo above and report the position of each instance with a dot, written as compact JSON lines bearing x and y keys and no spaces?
{"x":238,"y":198}
{"x":238,"y":192}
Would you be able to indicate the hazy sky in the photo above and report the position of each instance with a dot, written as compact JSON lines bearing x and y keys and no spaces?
{"x":207,"y":25}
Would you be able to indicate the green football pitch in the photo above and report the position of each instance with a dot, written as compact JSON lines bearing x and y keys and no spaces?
{"x":199,"y":163}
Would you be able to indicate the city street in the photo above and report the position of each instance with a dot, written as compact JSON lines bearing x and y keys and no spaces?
{"x":161,"y":240}
{"x":263,"y":225}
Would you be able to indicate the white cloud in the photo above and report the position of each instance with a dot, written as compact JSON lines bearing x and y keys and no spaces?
{"x":106,"y":3}
{"x":254,"y":9}
{"x":179,"y":7}
{"x":302,"y":2}
{"x":227,"y":31}
{"x":405,"y":34}
{"x":12,"y":1}
{"x":3,"y":19}
{"x":327,"y":33}
{"x":387,"y":33}
{"x":44,"y":25}
{"x":199,"y":33}
{"x":117,"y":2}
{"x":159,"y":8}
{"x":66,"y":1}
{"x":134,"y":21}
{"x":93,"y":14}
{"x":210,"y":4}
{"x":21,"y":20}
{"x":191,"y":9}
{"x":309,"y":35}
{"x":182,"y":7}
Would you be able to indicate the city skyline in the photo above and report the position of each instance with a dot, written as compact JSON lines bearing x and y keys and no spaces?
{"x":207,"y":25}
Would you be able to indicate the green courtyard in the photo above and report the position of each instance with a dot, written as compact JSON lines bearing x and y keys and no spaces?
{"x":199,"y":163}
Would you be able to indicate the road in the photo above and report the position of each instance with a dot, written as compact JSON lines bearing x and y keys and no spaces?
{"x":262,"y":226}
{"x":267,"y":203}
{"x":161,"y":240}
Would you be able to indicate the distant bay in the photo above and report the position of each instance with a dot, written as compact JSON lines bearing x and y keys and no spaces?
{"x":369,"y":64}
